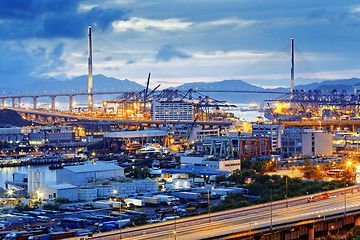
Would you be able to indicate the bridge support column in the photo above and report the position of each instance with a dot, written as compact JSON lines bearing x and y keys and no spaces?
{"x":34,"y":102}
{"x":53,"y":103}
{"x":357,"y":221}
{"x":19,"y":102}
{"x":311,"y":233}
{"x":13,"y":102}
{"x":71,"y":103}
{"x":3,"y":102}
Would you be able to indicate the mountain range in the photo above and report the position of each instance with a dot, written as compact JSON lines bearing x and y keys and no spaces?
{"x":102,"y":83}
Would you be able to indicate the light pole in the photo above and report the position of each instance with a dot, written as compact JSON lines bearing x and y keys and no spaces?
{"x":250,"y":228}
{"x":286,"y":191}
{"x":271,"y":215}
{"x":209,"y":204}
{"x":345,"y":200}
{"x":174,"y":224}
{"x":115,"y":193}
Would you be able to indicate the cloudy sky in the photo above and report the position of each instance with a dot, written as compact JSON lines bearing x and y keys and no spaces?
{"x":181,"y":41}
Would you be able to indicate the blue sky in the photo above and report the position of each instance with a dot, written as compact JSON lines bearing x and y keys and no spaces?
{"x":181,"y":41}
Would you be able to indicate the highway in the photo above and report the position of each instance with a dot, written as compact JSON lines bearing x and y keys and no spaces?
{"x":111,"y":119}
{"x":243,"y":219}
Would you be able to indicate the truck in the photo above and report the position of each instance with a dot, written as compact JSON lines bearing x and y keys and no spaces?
{"x":150,"y":200}
{"x":167,"y":200}
{"x":22,"y":235}
{"x":111,"y":225}
{"x":62,"y":235}
{"x":40,"y":237}
{"x":103,"y":204}
{"x":135,"y":202}
{"x":187,"y":195}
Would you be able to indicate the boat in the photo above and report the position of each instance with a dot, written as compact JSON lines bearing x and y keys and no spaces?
{"x":131,"y":146}
{"x":56,"y":166}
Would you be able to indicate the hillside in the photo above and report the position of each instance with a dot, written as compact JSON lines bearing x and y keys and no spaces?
{"x":10,"y":117}
{"x":232,"y":85}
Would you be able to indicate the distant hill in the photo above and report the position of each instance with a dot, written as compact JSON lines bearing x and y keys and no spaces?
{"x":339,"y":85}
{"x":328,"y":85}
{"x":31,"y":85}
{"x":229,"y":85}
{"x":10,"y":117}
{"x":52,"y":85}
{"x":100,"y":82}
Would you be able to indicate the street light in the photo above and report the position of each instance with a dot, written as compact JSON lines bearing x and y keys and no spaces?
{"x":10,"y":192}
{"x":39,"y":195}
{"x":250,"y":228}
{"x":209,"y":205}
{"x":345,"y":200}
{"x":115,"y":192}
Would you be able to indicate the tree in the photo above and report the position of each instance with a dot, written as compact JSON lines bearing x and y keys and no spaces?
{"x":312,"y":172}
{"x":327,"y":237}
{"x":60,"y":201}
{"x":137,"y":172}
{"x":96,"y":146}
{"x":22,"y":207}
{"x":354,"y":233}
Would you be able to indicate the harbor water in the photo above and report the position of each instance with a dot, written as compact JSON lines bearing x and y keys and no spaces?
{"x":7,"y":173}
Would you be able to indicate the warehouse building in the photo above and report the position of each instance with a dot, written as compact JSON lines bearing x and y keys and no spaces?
{"x":83,"y":174}
{"x":67,"y":191}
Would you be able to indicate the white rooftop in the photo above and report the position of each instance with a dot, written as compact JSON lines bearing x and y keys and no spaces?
{"x":93,"y":167}
{"x":131,"y":134}
{"x":63,"y":186}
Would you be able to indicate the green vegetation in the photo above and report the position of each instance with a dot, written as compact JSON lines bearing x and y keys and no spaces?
{"x":138,"y":221}
{"x":4,"y":145}
{"x":137,"y":172}
{"x":55,"y":205}
{"x":96,"y":146}
{"x":353,"y":234}
{"x":22,"y":207}
{"x":269,"y":187}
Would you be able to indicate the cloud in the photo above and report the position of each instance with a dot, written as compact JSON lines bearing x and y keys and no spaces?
{"x":168,"y":52}
{"x":238,"y":23}
{"x":131,"y":61}
{"x":40,"y":51}
{"x":142,"y":24}
{"x":31,"y":9}
{"x":24,"y":19}
{"x":15,"y":60}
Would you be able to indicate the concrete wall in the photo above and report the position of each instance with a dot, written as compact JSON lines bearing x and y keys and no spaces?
{"x":230,"y":165}
{"x":49,"y":193}
{"x":323,"y":144}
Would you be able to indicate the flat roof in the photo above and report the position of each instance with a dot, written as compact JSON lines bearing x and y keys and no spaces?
{"x":63,"y":186}
{"x":93,"y":167}
{"x":187,"y":171}
{"x":133,"y":134}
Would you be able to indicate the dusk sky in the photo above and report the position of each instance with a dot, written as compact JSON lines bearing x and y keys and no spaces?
{"x":181,"y":41}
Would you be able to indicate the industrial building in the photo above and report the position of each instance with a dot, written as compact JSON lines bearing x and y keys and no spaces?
{"x":172,"y":110}
{"x":67,"y":191}
{"x":193,"y":133}
{"x":271,"y":131}
{"x":84,"y":174}
{"x":208,"y":164}
{"x":116,"y":139}
{"x":305,"y":142}
{"x":11,"y":135}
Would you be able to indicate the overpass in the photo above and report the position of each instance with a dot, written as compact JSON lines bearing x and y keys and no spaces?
{"x":48,"y":117}
{"x":287,"y":219}
{"x":327,"y":125}
{"x":16,"y":99}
